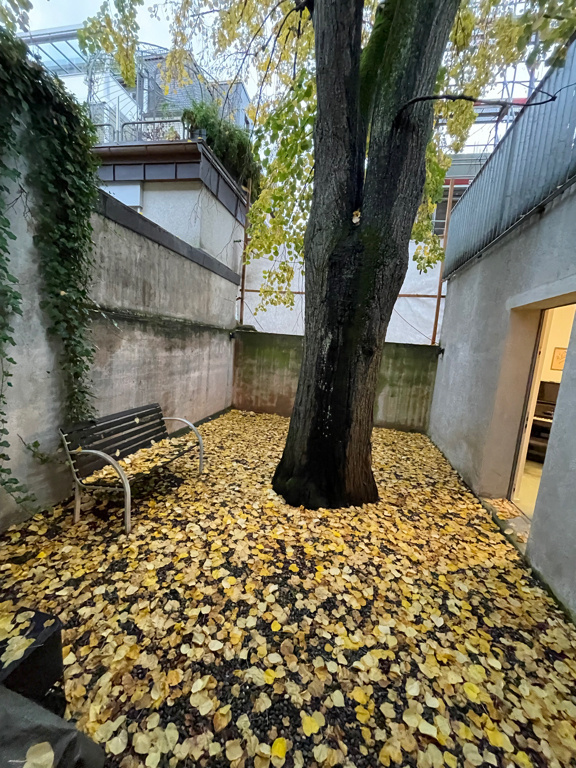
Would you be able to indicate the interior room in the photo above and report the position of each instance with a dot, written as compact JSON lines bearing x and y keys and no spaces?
{"x":544,"y":389}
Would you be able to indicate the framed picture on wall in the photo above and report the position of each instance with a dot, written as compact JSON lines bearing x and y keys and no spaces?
{"x":558,"y":359}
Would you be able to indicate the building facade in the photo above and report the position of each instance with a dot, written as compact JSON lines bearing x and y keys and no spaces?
{"x":504,"y":406}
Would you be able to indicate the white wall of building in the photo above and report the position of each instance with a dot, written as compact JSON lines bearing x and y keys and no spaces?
{"x":188,"y":210}
{"x":412,"y":320}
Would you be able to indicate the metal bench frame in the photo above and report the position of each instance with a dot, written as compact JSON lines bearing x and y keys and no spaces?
{"x":79,"y":485}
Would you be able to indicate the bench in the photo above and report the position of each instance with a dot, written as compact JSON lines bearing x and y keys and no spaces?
{"x":91,"y":445}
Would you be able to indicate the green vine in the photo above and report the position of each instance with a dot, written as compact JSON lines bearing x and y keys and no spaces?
{"x":42,"y":121}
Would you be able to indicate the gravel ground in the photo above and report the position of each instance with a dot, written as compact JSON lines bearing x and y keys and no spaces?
{"x":229,"y":629}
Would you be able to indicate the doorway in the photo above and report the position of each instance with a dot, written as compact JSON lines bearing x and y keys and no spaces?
{"x":541,"y":401}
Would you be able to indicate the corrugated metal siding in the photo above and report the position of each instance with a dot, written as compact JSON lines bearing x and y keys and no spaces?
{"x":535,"y":159}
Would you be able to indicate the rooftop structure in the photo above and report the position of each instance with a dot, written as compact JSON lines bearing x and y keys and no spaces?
{"x":150,"y":110}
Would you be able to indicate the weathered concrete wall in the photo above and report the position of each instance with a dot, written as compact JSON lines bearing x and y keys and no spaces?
{"x":267,"y":365}
{"x":489,"y":333}
{"x":34,"y":400}
{"x":405,"y":386}
{"x":135,"y":273}
{"x":490,"y":330}
{"x":185,"y":367}
{"x":162,"y":335}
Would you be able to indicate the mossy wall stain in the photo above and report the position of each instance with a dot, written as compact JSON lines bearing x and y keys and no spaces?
{"x":267,"y":365}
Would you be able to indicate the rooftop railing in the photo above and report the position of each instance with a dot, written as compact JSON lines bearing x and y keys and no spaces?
{"x":534,"y":162}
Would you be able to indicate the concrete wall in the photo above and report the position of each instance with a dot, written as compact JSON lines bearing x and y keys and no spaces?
{"x":489,"y":334}
{"x":267,"y":366}
{"x":189,"y":211}
{"x":162,"y":334}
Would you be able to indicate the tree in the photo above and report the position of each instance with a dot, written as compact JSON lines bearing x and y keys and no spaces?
{"x":356,"y":262}
{"x":362,"y":77}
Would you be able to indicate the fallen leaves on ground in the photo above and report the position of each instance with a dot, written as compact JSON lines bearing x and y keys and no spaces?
{"x":505,"y":509}
{"x":229,"y":629}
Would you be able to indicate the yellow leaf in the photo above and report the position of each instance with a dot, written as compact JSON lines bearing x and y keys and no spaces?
{"x":221,"y":718}
{"x":387,"y":709}
{"x":234,"y":750}
{"x":412,"y":687}
{"x":522,"y":759}
{"x":359,"y":695}
{"x":471,"y":754}
{"x":432,"y":701}
{"x":174,"y":676}
{"x":279,"y":747}
{"x":475,"y":673}
{"x":411,"y":718}
{"x":427,"y":728}
{"x":450,"y":760}
{"x":309,"y":724}
{"x":39,"y":756}
{"x":472,"y":691}
{"x":269,"y":676}
{"x":338,"y":698}
{"x":498,"y":739}
{"x":235,"y":636}
{"x":320,"y":719}
{"x":362,"y":714}
{"x":141,"y":743}
{"x":321,"y":753}
{"x":118,"y":744}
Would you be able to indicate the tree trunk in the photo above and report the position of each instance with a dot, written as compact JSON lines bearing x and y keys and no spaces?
{"x":354,"y":271}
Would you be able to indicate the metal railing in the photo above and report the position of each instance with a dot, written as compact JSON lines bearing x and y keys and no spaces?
{"x":534,"y":162}
{"x":143,"y":131}
{"x":153,"y":130}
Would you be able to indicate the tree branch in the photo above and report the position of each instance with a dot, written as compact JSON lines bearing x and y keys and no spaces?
{"x":485,"y":102}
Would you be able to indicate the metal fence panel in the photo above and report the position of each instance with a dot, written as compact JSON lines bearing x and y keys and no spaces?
{"x":535,"y":159}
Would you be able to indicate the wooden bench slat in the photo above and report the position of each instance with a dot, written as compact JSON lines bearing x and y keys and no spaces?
{"x":119,"y":450}
{"x":102,"y":441}
{"x":86,"y":430}
{"x":89,"y":423}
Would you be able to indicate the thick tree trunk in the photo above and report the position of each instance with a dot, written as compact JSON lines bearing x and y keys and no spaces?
{"x":354,"y":271}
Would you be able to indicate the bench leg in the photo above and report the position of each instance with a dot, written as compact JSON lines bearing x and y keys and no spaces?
{"x":77,"y":502}
{"x":127,"y":505}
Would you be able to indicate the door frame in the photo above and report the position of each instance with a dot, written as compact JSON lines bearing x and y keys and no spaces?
{"x":530,"y":400}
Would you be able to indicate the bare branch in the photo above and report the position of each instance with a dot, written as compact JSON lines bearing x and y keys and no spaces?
{"x":485,"y":102}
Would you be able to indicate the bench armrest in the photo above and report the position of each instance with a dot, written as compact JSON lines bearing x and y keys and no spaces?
{"x":108,"y":459}
{"x":125,"y":483}
{"x":198,"y":435}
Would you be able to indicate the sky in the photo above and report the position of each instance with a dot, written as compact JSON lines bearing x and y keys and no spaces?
{"x":47,"y":14}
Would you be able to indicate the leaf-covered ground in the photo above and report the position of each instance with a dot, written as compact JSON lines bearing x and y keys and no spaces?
{"x":230,"y":629}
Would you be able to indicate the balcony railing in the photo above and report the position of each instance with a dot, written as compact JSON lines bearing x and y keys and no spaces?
{"x":534,"y":162}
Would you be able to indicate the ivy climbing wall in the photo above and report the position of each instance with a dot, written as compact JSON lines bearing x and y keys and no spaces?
{"x":160,"y":326}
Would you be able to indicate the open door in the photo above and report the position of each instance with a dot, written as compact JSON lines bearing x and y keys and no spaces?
{"x":540,"y":404}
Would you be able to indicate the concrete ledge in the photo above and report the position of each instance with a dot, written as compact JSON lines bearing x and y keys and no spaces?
{"x":121,"y":214}
{"x":162,"y":322}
